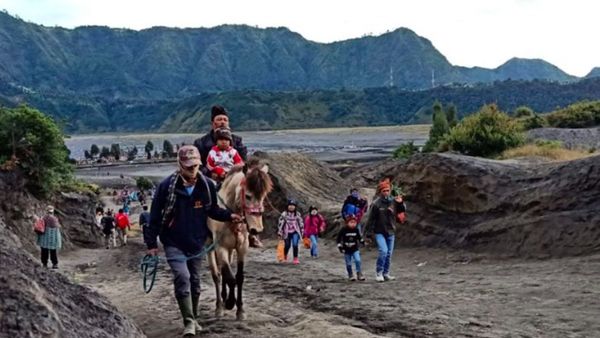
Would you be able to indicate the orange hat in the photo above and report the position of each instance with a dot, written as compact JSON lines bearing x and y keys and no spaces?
{"x":385,"y":184}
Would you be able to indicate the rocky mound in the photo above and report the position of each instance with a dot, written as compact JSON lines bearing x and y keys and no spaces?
{"x":308,"y":181}
{"x":583,"y":138}
{"x":37,"y":302}
{"x":18,"y":208}
{"x":501,"y":206}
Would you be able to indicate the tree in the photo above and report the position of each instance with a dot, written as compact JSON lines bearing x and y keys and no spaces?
{"x":132,"y":153}
{"x":451,"y":116}
{"x":105,"y":152}
{"x":32,"y":142}
{"x":143,"y":183}
{"x":115,"y":151}
{"x":94,"y":150}
{"x":438,"y":130}
{"x":405,"y":150}
{"x":487,"y":133}
{"x":148,"y":149}
{"x":167,"y":149}
{"x":87,"y":155}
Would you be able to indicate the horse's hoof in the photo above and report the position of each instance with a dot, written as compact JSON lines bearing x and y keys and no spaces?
{"x":230,"y":304}
{"x":240,"y":315}
{"x":219,"y":312}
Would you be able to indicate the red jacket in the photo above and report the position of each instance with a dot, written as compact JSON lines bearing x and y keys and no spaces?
{"x":314,"y":224}
{"x":122,"y":220}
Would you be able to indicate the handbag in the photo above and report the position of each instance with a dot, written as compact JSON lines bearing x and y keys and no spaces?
{"x":306,"y":242}
{"x":39,"y":226}
{"x":280,"y":250}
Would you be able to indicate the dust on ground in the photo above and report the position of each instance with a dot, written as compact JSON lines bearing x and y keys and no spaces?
{"x":437,"y":294}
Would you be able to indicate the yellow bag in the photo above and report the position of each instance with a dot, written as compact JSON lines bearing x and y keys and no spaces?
{"x":307,"y":242}
{"x":280,"y":251}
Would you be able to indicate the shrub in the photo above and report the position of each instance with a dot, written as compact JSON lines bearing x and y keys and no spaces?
{"x":578,"y":115}
{"x":143,"y":183}
{"x":439,"y":129}
{"x":33,"y":142}
{"x":524,"y":111}
{"x":549,"y":151}
{"x":405,"y":150}
{"x":532,"y":122}
{"x":487,"y":133}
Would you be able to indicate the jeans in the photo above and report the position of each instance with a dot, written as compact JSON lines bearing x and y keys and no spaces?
{"x":186,"y":273}
{"x":386,"y":248}
{"x":348,"y":257}
{"x":292,"y":241}
{"x":314,"y":250}
{"x":53,"y":256}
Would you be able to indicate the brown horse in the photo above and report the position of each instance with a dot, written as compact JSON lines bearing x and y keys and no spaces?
{"x":244,"y":195}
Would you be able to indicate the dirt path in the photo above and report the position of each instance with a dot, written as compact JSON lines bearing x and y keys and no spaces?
{"x":437,"y":294}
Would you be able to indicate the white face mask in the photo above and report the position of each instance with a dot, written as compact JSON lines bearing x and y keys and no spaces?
{"x":314,"y":212}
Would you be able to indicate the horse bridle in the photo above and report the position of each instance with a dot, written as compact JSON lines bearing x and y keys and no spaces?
{"x":253,"y":209}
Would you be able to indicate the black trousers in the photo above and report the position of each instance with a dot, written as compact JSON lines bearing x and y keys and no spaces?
{"x":53,"y":256}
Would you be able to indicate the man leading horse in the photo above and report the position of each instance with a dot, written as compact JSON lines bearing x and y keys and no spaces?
{"x":180,"y":210}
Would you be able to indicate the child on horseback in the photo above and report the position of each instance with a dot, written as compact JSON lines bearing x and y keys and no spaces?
{"x":223,"y":157}
{"x":348,"y":242}
{"x":314,"y":224}
{"x":291,"y":229}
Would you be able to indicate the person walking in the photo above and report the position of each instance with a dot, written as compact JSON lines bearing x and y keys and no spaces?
{"x":348,"y":243}
{"x":144,"y":219}
{"x":179,"y":214}
{"x":314,"y":225}
{"x":382,"y":222}
{"x":108,"y":229}
{"x":291,"y":229}
{"x":123,"y":225}
{"x":50,"y":240}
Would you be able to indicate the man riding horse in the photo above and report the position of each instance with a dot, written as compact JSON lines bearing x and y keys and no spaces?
{"x":220,"y":119}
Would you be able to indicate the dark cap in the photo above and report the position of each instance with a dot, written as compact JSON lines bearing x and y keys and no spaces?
{"x":216,"y":111}
{"x":189,"y":156}
{"x":223,"y":133}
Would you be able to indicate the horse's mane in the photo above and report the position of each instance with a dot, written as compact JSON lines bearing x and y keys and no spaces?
{"x":258,"y":182}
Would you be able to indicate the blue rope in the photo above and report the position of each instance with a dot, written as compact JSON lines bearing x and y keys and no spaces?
{"x":149,"y":265}
{"x":149,"y":268}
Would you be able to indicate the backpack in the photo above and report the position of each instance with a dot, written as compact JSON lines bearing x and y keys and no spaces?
{"x":122,"y":221}
{"x":39,"y":226}
{"x":108,"y":224}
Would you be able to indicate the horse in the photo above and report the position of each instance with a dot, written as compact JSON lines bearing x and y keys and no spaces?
{"x":244,"y":194}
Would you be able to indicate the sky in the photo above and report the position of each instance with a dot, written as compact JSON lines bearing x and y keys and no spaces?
{"x":483,"y":33}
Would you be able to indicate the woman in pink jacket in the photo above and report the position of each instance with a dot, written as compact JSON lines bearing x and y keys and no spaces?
{"x":314,"y":224}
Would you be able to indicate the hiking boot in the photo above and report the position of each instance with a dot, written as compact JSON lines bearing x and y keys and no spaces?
{"x":187,"y":313}
{"x":54,"y":266}
{"x":387,"y":277}
{"x":296,"y":261}
{"x":360,"y":276}
{"x":352,"y":278}
{"x":254,"y":241}
{"x":379,"y":278}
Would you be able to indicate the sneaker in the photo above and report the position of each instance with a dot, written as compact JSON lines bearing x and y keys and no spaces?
{"x":360,"y":276}
{"x":387,"y":277}
{"x":296,"y":261}
{"x":379,"y":278}
{"x":352,"y":278}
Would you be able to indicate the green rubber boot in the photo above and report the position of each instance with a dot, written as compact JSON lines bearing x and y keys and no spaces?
{"x":195,"y":300}
{"x":185,"y":306}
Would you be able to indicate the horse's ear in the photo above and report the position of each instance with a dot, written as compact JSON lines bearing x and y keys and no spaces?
{"x":265,"y":169}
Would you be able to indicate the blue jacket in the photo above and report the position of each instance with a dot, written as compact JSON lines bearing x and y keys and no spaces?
{"x":188,"y":229}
